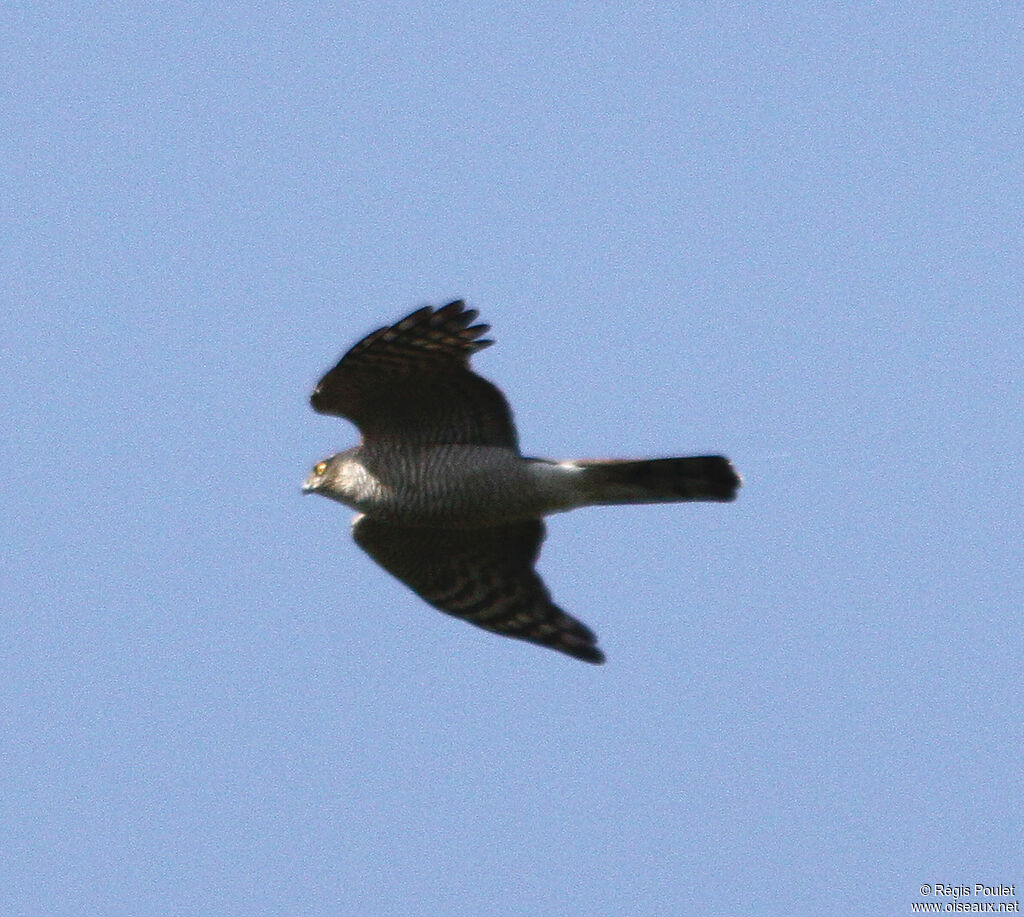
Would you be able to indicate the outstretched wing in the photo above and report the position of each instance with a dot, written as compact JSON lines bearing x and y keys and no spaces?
{"x":411,"y":382}
{"x":484,"y":576}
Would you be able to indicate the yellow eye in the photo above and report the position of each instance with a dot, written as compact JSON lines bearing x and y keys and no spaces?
{"x":320,"y":468}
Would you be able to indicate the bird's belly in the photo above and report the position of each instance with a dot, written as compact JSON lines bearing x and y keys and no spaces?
{"x":451,"y":486}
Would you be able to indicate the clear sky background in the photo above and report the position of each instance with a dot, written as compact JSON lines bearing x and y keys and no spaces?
{"x":790,"y":233}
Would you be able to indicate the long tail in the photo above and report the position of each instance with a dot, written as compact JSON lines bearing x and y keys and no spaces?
{"x":667,"y":480}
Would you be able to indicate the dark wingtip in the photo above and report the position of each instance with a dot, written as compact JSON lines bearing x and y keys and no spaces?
{"x":589,"y":654}
{"x":579,"y":649}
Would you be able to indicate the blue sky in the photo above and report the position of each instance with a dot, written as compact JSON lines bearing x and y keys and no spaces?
{"x":791,"y":234}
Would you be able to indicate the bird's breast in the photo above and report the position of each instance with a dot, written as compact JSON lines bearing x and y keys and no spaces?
{"x":447,"y":485}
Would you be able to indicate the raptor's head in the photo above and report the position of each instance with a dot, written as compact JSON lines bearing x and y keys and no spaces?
{"x":323,"y":476}
{"x":342,"y":477}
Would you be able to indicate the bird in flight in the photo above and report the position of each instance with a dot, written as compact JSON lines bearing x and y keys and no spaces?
{"x":445,"y":500}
